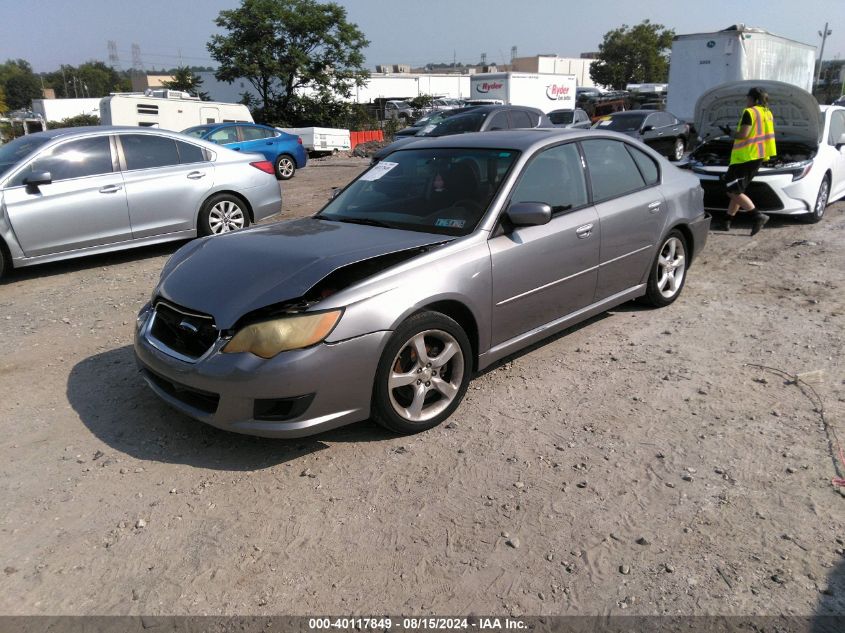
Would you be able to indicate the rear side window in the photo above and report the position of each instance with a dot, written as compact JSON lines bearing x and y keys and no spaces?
{"x":648,"y":168}
{"x":74,"y":159}
{"x":613,"y":171}
{"x":254,"y":133}
{"x":190,"y":153}
{"x":144,"y":151}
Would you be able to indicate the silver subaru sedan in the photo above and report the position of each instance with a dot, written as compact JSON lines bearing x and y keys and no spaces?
{"x":443,"y":258}
{"x":78,"y":191}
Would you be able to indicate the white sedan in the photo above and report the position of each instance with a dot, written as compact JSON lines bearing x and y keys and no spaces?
{"x":809,"y":169}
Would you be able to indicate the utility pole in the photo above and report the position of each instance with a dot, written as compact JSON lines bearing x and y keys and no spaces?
{"x":823,"y":35}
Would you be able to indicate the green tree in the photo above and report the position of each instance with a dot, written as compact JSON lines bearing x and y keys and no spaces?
{"x":3,"y":106}
{"x":91,"y":79}
{"x":20,"y":84}
{"x":79,"y":120}
{"x":185,"y":79}
{"x":638,"y":54}
{"x":283,"y":46}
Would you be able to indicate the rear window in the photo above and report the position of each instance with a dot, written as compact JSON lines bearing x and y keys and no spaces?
{"x":561,"y":117}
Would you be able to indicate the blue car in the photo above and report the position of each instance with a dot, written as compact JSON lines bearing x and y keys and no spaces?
{"x":284,"y":150}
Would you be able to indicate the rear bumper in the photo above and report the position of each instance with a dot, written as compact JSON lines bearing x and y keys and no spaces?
{"x":699,"y":228}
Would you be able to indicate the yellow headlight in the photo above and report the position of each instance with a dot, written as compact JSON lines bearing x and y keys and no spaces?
{"x":268,"y":338}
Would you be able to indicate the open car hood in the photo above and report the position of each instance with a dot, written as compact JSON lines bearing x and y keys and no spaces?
{"x":796,"y":111}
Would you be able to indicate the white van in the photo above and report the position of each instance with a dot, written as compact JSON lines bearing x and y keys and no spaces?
{"x":168,"y":110}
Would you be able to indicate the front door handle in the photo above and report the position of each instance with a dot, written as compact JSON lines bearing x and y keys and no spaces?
{"x":111,"y":188}
{"x":196,"y":175}
{"x":237,"y":149}
{"x":654,"y":207}
{"x":584,"y":231}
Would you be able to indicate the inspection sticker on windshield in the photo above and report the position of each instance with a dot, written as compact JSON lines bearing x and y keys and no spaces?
{"x":604,"y":122}
{"x":450,"y":224}
{"x":379,"y":170}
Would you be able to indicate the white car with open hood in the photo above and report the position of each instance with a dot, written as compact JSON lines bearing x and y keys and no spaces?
{"x":809,"y":169}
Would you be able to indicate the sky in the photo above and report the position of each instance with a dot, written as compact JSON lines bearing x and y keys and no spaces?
{"x":48,"y":33}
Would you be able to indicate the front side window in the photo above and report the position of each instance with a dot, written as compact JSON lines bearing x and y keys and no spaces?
{"x":555,"y":177}
{"x":837,"y":127}
{"x":224,"y":135}
{"x":443,"y":191}
{"x":459,"y":124}
{"x":74,"y":159}
{"x":144,"y":151}
{"x":499,"y":121}
{"x":613,"y":171}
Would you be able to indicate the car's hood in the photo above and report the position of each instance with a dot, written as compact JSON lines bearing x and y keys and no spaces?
{"x":402,"y":141}
{"x":228,"y":276}
{"x":796,"y":111}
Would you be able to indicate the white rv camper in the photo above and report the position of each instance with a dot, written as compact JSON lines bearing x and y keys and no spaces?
{"x":168,"y":109}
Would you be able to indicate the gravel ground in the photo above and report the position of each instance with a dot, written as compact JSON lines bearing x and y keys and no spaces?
{"x":646,"y":462}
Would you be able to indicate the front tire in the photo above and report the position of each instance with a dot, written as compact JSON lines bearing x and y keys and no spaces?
{"x":423,"y":374}
{"x":285,"y":167}
{"x":222,"y":213}
{"x":668,"y":273}
{"x":821,"y":203}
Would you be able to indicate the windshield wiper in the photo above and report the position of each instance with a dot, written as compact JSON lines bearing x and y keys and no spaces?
{"x":366,"y":221}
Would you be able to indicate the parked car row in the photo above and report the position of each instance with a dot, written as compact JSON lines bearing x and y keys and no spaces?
{"x":78,"y":191}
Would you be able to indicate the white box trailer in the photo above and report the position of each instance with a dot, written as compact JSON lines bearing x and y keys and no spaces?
{"x":321,"y":139}
{"x":545,"y":91}
{"x":60,"y":109}
{"x":701,"y":61}
{"x":168,"y":109}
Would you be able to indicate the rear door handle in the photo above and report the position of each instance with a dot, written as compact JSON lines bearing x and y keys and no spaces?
{"x":584,"y":231}
{"x":196,"y":175}
{"x":111,"y":188}
{"x":654,"y":207}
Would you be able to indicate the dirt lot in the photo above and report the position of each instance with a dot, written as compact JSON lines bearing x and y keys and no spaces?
{"x":637,"y":464}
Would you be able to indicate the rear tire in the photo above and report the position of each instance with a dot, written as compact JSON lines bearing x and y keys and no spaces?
{"x":423,"y":374}
{"x":4,"y":260}
{"x":821,"y":202}
{"x":285,"y":167}
{"x":668,"y":272}
{"x":222,"y":213}
{"x":678,"y":149}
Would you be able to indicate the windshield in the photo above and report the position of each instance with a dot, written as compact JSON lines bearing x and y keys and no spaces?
{"x":458,"y":124}
{"x":430,"y":190}
{"x":622,"y":122}
{"x":561,"y":116}
{"x":12,"y":153}
{"x":198,"y":131}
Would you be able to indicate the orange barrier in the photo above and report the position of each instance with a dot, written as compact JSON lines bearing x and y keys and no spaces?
{"x":355,"y":138}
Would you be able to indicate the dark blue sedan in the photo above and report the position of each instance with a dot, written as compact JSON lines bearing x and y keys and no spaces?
{"x":284,"y":150}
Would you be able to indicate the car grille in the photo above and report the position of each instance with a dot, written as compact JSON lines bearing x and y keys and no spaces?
{"x":205,"y":401}
{"x":186,"y":333}
{"x":715,"y":197}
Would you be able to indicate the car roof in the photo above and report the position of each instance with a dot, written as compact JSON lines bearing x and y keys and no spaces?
{"x":103,"y":129}
{"x":522,"y":139}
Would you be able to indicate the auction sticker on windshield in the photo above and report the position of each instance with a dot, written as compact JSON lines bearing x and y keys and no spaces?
{"x":378,"y":170}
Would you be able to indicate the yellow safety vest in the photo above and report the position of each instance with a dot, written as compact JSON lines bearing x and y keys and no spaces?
{"x":761,"y":143}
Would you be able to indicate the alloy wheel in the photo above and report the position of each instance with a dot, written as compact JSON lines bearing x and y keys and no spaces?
{"x":671,"y":265}
{"x":821,"y":200}
{"x":426,"y":375}
{"x":226,"y":216}
{"x":285,"y":168}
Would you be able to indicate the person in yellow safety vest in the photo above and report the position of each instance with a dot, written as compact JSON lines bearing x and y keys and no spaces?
{"x":754,"y":142}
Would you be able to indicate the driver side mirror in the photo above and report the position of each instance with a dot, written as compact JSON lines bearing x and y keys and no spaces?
{"x":529,"y":213}
{"x":335,"y":192}
{"x":647,"y":128}
{"x":841,"y":141}
{"x":38,"y":178}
